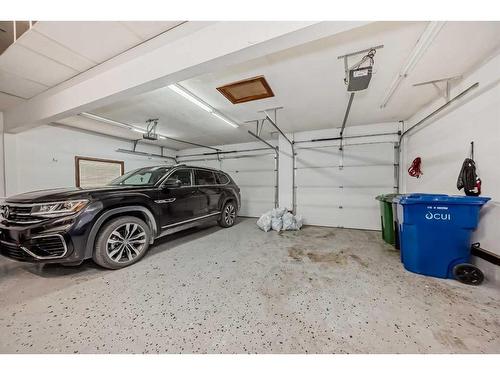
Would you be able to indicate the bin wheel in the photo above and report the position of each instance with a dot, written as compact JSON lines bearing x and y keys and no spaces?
{"x":468,"y":274}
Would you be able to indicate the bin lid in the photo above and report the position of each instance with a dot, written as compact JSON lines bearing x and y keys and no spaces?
{"x":386,"y":197}
{"x":398,"y":197}
{"x":419,"y":198}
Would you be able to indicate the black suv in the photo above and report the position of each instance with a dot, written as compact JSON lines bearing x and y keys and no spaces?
{"x":115,"y":224}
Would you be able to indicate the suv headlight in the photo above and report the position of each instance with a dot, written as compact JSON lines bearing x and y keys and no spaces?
{"x":58,"y":209}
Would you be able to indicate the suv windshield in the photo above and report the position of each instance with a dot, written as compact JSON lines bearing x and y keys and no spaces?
{"x":141,"y":177}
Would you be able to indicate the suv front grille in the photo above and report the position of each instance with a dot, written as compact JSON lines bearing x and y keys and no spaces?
{"x":45,"y":247}
{"x":20,"y":214}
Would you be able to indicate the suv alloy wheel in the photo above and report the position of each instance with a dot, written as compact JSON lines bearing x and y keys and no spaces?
{"x":121,"y":242}
{"x":228,"y":215}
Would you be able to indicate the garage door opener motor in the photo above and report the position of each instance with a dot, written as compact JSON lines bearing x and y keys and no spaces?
{"x":151,"y":126}
{"x":358,"y":77}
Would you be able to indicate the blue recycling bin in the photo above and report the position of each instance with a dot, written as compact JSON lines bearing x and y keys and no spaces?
{"x":435,"y":231}
{"x":395,"y":216}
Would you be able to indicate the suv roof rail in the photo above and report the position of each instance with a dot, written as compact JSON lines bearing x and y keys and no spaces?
{"x":196,"y":167}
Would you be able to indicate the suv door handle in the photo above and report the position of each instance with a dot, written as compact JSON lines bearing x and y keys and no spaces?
{"x":168,"y":200}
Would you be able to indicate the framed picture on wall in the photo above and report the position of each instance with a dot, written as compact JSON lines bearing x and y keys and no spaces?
{"x":93,"y":172}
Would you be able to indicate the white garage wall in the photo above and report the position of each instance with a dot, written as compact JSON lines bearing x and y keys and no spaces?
{"x":444,"y":143}
{"x":44,"y":157}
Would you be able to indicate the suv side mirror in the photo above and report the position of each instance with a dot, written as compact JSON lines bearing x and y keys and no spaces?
{"x":173,"y":183}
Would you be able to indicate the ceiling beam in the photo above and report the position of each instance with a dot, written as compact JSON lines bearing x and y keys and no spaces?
{"x":192,"y":49}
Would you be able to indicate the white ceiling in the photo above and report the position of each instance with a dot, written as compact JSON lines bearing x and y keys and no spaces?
{"x":54,"y":51}
{"x":308,"y":82}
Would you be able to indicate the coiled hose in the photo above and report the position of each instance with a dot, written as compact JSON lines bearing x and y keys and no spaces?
{"x":415,"y":168}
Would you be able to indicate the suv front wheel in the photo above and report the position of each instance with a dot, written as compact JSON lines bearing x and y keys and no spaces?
{"x":121,"y":242}
{"x":228,"y":215}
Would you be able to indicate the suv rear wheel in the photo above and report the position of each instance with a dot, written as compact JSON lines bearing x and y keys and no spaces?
{"x":121,"y":242}
{"x":228,"y":215}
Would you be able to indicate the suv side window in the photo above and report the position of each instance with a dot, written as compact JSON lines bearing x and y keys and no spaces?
{"x":222,"y":179}
{"x":144,"y":176}
{"x":204,"y":177}
{"x":184,"y":175}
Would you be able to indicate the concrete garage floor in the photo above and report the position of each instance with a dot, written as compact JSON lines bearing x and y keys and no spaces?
{"x":320,"y":290}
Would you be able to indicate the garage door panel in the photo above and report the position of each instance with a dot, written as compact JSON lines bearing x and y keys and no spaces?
{"x":348,"y":217}
{"x":205,"y":163}
{"x":377,"y":176}
{"x":369,"y":154}
{"x":353,"y":155}
{"x":317,"y":157}
{"x":257,"y":192}
{"x":372,"y":176}
{"x":255,"y":209}
{"x":262,"y":162}
{"x":362,"y":197}
{"x":336,"y":197}
{"x":344,"y":197}
{"x":256,"y":201}
{"x":324,"y":216}
{"x":310,"y":196}
{"x":254,"y":178}
{"x":319,"y":177}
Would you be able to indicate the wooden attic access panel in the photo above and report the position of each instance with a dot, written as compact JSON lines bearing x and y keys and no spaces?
{"x":247,"y":90}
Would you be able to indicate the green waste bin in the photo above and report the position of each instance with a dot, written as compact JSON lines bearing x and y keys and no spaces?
{"x":386,"y":217}
{"x":395,"y":220}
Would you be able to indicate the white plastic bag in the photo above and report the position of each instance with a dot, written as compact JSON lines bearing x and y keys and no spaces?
{"x":291,"y":222}
{"x":288,"y":221}
{"x":298,"y":222}
{"x":264,"y":222}
{"x":276,"y":224}
{"x":278,"y":212}
{"x":279,"y":219}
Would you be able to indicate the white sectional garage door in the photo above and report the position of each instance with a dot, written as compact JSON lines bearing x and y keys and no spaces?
{"x":255,"y":175}
{"x":256,"y":178}
{"x":338,"y":189}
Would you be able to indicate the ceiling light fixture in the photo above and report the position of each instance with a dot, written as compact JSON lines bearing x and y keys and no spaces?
{"x":106,"y":120}
{"x":187,"y":95}
{"x":423,"y":43}
{"x":200,"y":103}
{"x":226,"y":120}
{"x":112,"y":122}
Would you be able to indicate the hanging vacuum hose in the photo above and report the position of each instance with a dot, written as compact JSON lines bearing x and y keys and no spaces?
{"x":415,"y":168}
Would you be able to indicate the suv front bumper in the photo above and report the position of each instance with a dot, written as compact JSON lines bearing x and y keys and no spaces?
{"x":50,"y":242}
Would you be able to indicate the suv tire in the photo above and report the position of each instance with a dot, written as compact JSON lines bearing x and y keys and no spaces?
{"x":121,"y":242}
{"x":228,"y":215}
